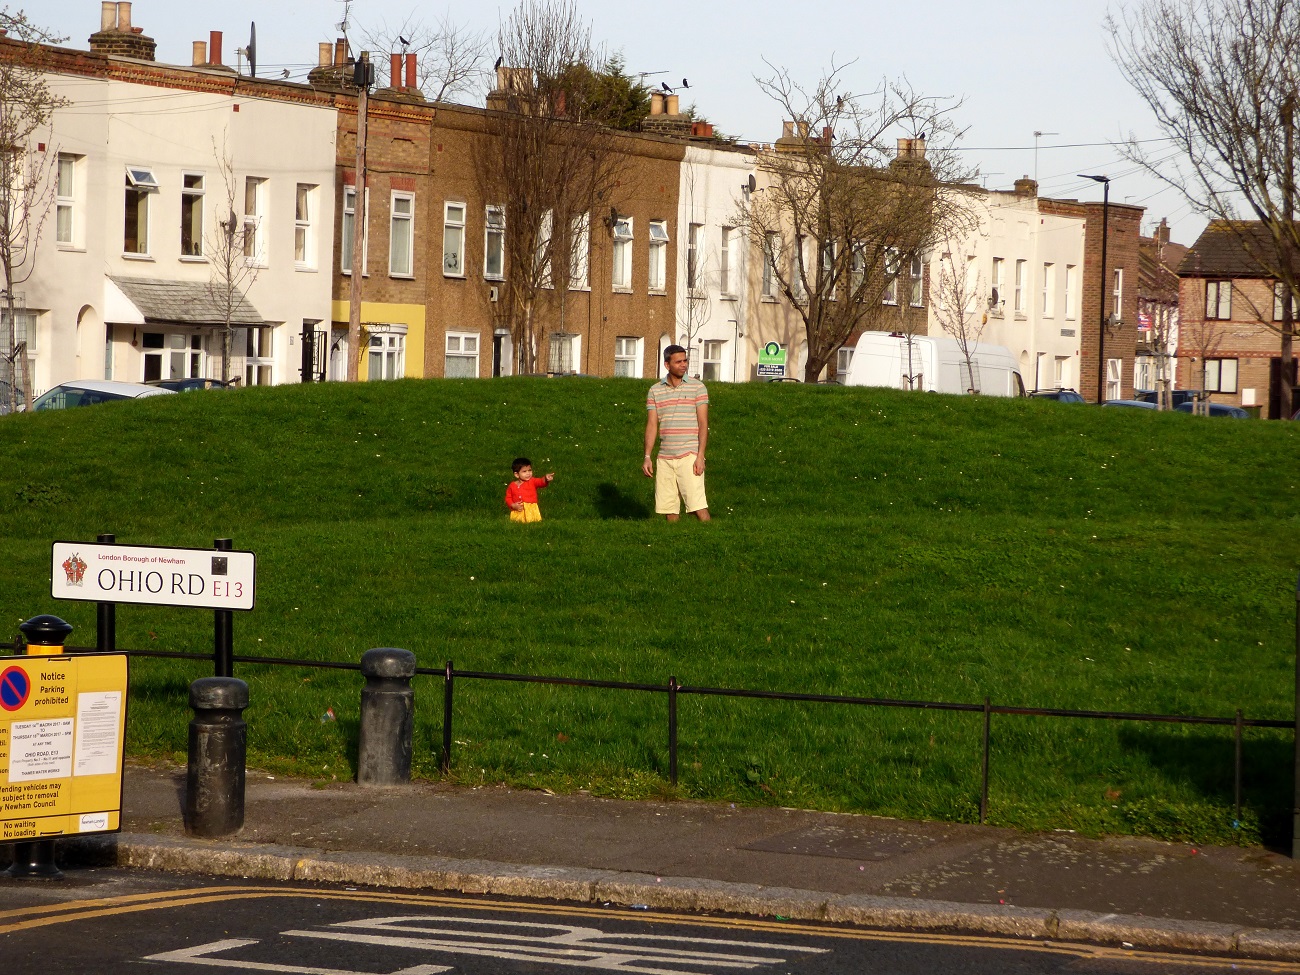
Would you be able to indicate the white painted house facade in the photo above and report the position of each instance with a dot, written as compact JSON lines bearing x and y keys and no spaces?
{"x":154,"y":166}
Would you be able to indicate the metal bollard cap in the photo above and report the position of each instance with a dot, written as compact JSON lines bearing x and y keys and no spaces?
{"x":45,"y":631}
{"x":218,"y":694}
{"x":388,"y":662}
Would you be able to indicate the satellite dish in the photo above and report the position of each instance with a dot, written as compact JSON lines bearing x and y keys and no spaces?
{"x":753,"y":183}
{"x":252,"y":49}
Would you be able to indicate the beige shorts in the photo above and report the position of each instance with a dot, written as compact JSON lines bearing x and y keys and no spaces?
{"x":677,"y":482}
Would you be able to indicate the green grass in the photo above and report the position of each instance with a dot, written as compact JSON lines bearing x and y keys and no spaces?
{"x":865,"y":542}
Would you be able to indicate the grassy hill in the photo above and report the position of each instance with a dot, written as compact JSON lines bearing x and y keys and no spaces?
{"x":865,"y":542}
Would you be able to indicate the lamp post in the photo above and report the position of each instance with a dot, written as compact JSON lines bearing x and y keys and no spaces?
{"x":1101,"y":296}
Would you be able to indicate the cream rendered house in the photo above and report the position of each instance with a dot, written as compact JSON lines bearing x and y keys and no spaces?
{"x":157,"y":170}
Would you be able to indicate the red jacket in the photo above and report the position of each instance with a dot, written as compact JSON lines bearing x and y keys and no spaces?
{"x":525,"y":491}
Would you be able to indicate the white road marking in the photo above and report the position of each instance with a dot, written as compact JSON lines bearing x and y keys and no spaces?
{"x":200,"y":955}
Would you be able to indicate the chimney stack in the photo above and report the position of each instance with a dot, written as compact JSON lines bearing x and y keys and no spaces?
{"x":117,"y":38}
{"x":1025,"y":186}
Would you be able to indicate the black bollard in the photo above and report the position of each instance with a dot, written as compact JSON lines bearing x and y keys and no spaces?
{"x":387,"y":717}
{"x":34,"y":860}
{"x":218,"y":748}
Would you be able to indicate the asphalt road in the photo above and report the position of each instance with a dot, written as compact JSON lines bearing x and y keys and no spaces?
{"x":114,"y":921}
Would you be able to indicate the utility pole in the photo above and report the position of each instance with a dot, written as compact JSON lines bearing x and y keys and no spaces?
{"x":1286,"y":353}
{"x":362,"y":78}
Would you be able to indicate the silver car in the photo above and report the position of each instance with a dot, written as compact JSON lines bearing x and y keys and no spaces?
{"x":88,"y":392}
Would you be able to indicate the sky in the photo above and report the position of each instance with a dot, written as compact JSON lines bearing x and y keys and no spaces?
{"x":1017,"y":67}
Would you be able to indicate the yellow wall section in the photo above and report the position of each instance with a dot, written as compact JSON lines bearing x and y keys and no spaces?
{"x":412,"y":316}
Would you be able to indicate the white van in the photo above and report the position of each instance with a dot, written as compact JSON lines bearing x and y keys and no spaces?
{"x":934,"y":364}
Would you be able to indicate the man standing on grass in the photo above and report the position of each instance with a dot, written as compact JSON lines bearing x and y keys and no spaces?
{"x":677,"y":412}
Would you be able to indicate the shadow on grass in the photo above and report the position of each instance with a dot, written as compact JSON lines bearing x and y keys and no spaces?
{"x":1202,"y":761}
{"x":613,"y":504}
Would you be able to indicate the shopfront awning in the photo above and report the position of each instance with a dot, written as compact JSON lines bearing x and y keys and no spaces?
{"x":155,"y":301}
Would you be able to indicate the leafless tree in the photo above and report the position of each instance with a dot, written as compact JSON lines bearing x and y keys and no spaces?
{"x":450,"y":59}
{"x":956,"y":298}
{"x":230,"y":243}
{"x":550,"y":160}
{"x":1222,"y":78}
{"x":28,"y":176}
{"x":850,"y":205}
{"x":697,"y":309}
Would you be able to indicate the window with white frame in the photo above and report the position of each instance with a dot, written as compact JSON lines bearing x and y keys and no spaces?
{"x":259,"y":357}
{"x":1049,"y":297}
{"x":1021,"y":269}
{"x":857,"y":270}
{"x":254,"y":220}
{"x":386,"y":357}
{"x":622,"y":257}
{"x":304,"y":236}
{"x":843,"y":360}
{"x":564,"y":353}
{"x":657,"y":257}
{"x":1117,"y":294}
{"x":140,"y":185}
{"x":494,"y":243}
{"x":771,"y":254}
{"x":192,"y":214}
{"x":462,"y":356}
{"x":826,"y":285}
{"x":798,"y":271}
{"x":997,"y":296}
{"x":1060,"y":373}
{"x":172,"y":355}
{"x":627,"y":356}
{"x":1071,"y":289}
{"x":890,"y":296}
{"x":711,"y":360}
{"x":349,"y":229}
{"x":917,"y":281}
{"x":453,"y":240}
{"x":401,"y":236}
{"x":543,"y":248}
{"x":694,"y":257}
{"x":67,"y":229}
{"x":24,"y":327}
{"x":724,"y":261}
{"x":1114,"y":376}
{"x":1218,"y":300}
{"x":580,"y":253}
{"x":1220,"y":375}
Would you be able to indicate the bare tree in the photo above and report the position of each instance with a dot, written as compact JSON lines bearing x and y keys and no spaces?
{"x":846,"y":205}
{"x":231,"y":244}
{"x":694,"y":314}
{"x":550,"y":160}
{"x":450,"y":59}
{"x":956,"y":298}
{"x":28,"y":177}
{"x":1222,"y":78}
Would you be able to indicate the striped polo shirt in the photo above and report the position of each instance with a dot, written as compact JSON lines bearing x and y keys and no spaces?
{"x":679,"y":425}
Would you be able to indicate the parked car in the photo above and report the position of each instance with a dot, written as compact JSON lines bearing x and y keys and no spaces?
{"x":1060,"y":395}
{"x":1217,"y":409}
{"x":88,"y":392}
{"x":187,"y":385}
{"x":1135,"y":403}
{"x":1177,"y":397}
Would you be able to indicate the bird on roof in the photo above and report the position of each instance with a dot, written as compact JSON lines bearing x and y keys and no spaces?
{"x":685,"y":83}
{"x":664,"y":86}
{"x":498,"y":64}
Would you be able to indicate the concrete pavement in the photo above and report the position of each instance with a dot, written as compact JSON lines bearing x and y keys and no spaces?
{"x":855,"y":869}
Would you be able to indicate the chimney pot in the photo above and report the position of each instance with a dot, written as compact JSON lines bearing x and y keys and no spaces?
{"x":340,"y":52}
{"x":671,"y":105}
{"x":214,"y":47}
{"x":200,"y":55}
{"x":124,"y":15}
{"x":656,"y":103}
{"x":108,"y":15}
{"x":395,"y":70}
{"x":410,"y":71}
{"x":324,"y":54}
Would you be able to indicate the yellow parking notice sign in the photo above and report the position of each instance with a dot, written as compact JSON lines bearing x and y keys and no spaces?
{"x":62,"y":732}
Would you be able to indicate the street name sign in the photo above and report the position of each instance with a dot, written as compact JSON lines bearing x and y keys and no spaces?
{"x":199,"y":577}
